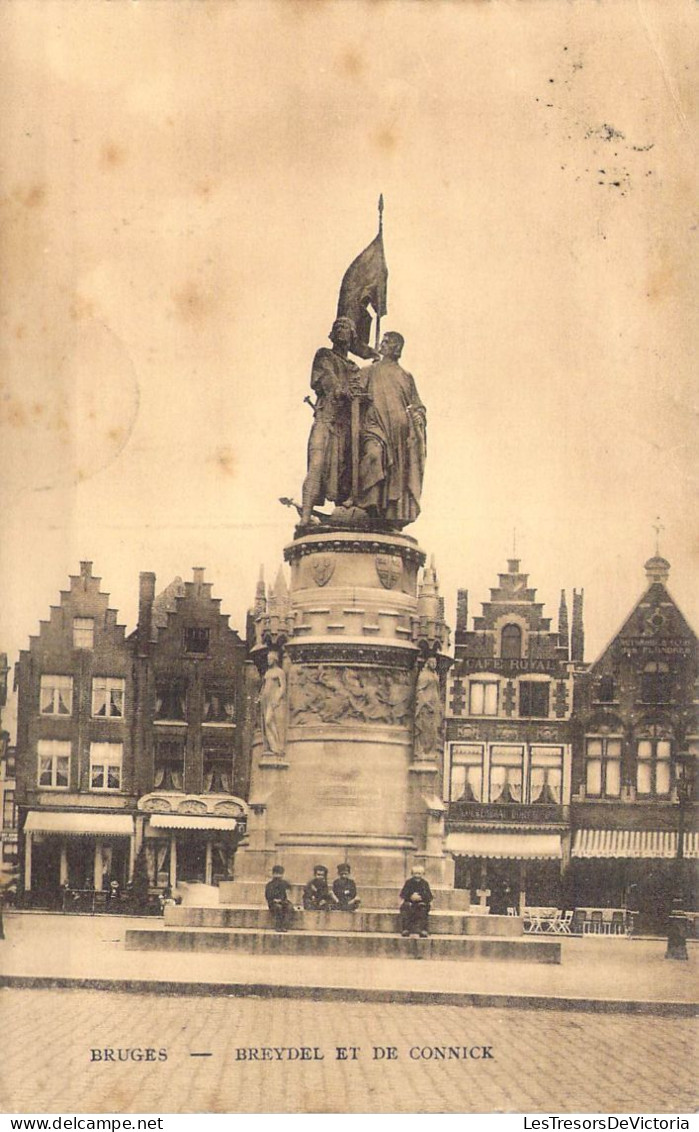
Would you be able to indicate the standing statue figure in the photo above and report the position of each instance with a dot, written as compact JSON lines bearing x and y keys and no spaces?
{"x":393,"y":439}
{"x":273,"y":706}
{"x":334,"y":380}
{"x":428,"y":711}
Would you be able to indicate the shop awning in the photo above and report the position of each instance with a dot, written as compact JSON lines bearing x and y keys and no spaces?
{"x":192,"y":821}
{"x":632,"y":843}
{"x":523,"y":846}
{"x":83,"y":824}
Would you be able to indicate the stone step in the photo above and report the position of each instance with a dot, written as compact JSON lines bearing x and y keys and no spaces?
{"x":387,"y":921}
{"x":345,"y":944}
{"x":243,"y":893}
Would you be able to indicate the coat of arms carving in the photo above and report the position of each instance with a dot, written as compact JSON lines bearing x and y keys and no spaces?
{"x":323,"y":567}
{"x":389,"y":567}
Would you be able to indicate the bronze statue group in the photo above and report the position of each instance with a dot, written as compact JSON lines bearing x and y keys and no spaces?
{"x":366,"y":450}
{"x":320,"y":896}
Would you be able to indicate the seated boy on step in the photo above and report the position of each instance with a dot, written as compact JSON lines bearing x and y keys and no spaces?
{"x":277,"y":897}
{"x":317,"y":896}
{"x":345,"y":890}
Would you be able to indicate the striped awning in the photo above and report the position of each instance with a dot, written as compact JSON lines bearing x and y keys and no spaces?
{"x":83,"y":824}
{"x":192,"y":821}
{"x":632,"y":843}
{"x":519,"y":846}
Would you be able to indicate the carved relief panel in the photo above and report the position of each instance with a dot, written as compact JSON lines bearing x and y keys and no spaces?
{"x":331,"y":693}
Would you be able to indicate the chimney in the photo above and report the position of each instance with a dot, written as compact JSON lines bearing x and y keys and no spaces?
{"x":577,"y":634}
{"x":146,"y":596}
{"x":198,"y":575}
{"x":85,"y":573}
{"x":657,"y":569}
{"x":563,"y":641}
{"x":461,"y":611}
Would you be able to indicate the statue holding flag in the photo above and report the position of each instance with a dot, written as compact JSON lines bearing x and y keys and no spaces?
{"x":366,"y":451}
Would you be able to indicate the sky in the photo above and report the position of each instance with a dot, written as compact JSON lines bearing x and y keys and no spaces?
{"x":183,"y":186}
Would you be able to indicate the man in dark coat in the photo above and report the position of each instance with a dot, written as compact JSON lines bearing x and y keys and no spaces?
{"x":333,"y":379}
{"x":416,"y":895}
{"x":277,"y":897}
{"x":317,"y":896}
{"x":345,"y":890}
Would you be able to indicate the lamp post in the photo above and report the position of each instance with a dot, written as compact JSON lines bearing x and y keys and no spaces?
{"x":677,"y":922}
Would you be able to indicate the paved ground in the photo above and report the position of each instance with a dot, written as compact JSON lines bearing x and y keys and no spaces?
{"x":541,"y":1062}
{"x":598,"y":968}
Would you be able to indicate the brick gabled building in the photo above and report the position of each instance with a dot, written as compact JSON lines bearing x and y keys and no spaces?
{"x":76,"y":780}
{"x":508,"y":745}
{"x":130,"y":741}
{"x":192,"y":746}
{"x":637,"y":709}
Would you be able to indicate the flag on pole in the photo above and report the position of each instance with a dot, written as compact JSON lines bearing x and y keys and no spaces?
{"x":363,"y":286}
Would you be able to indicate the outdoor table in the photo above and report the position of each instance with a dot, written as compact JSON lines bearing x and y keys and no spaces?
{"x":540,"y":919}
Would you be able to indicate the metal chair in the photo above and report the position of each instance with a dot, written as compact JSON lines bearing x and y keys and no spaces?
{"x":577,"y":925}
{"x":595,"y":925}
{"x":618,"y":923}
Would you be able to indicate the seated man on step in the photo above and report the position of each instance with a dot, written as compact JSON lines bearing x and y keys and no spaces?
{"x":345,"y":890}
{"x":317,"y":896}
{"x":416,"y":895}
{"x":277,"y":897}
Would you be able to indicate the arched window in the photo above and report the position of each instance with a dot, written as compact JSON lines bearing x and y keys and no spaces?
{"x":511,"y":642}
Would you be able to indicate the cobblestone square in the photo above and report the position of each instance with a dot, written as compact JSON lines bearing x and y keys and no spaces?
{"x":554,"y":1061}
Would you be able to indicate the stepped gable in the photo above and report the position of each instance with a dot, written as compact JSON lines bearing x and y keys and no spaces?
{"x":165,"y":603}
{"x":193,"y":600}
{"x":512,"y":602}
{"x":83,"y":599}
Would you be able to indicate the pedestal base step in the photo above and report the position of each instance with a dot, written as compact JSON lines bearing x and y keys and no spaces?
{"x":387,"y":921}
{"x":252,"y":893}
{"x":335,"y":944}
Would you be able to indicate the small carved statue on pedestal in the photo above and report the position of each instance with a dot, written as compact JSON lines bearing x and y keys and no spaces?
{"x":428,"y":711}
{"x":273,"y":708}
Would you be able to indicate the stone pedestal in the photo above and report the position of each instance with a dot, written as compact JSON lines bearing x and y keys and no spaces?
{"x":347,"y":787}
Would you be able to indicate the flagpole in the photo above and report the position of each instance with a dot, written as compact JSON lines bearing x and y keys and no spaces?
{"x":378,"y":313}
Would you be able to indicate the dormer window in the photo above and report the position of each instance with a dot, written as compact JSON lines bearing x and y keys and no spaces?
{"x":511,"y":642}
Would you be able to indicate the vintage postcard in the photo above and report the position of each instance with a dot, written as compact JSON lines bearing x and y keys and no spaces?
{"x":348,"y":476}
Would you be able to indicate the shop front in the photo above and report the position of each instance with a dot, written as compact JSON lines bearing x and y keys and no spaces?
{"x":508,"y":870}
{"x":80,"y":852}
{"x":191,"y":839}
{"x":635,"y":870}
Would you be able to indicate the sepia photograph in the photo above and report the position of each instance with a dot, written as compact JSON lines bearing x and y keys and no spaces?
{"x":349,"y":670}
